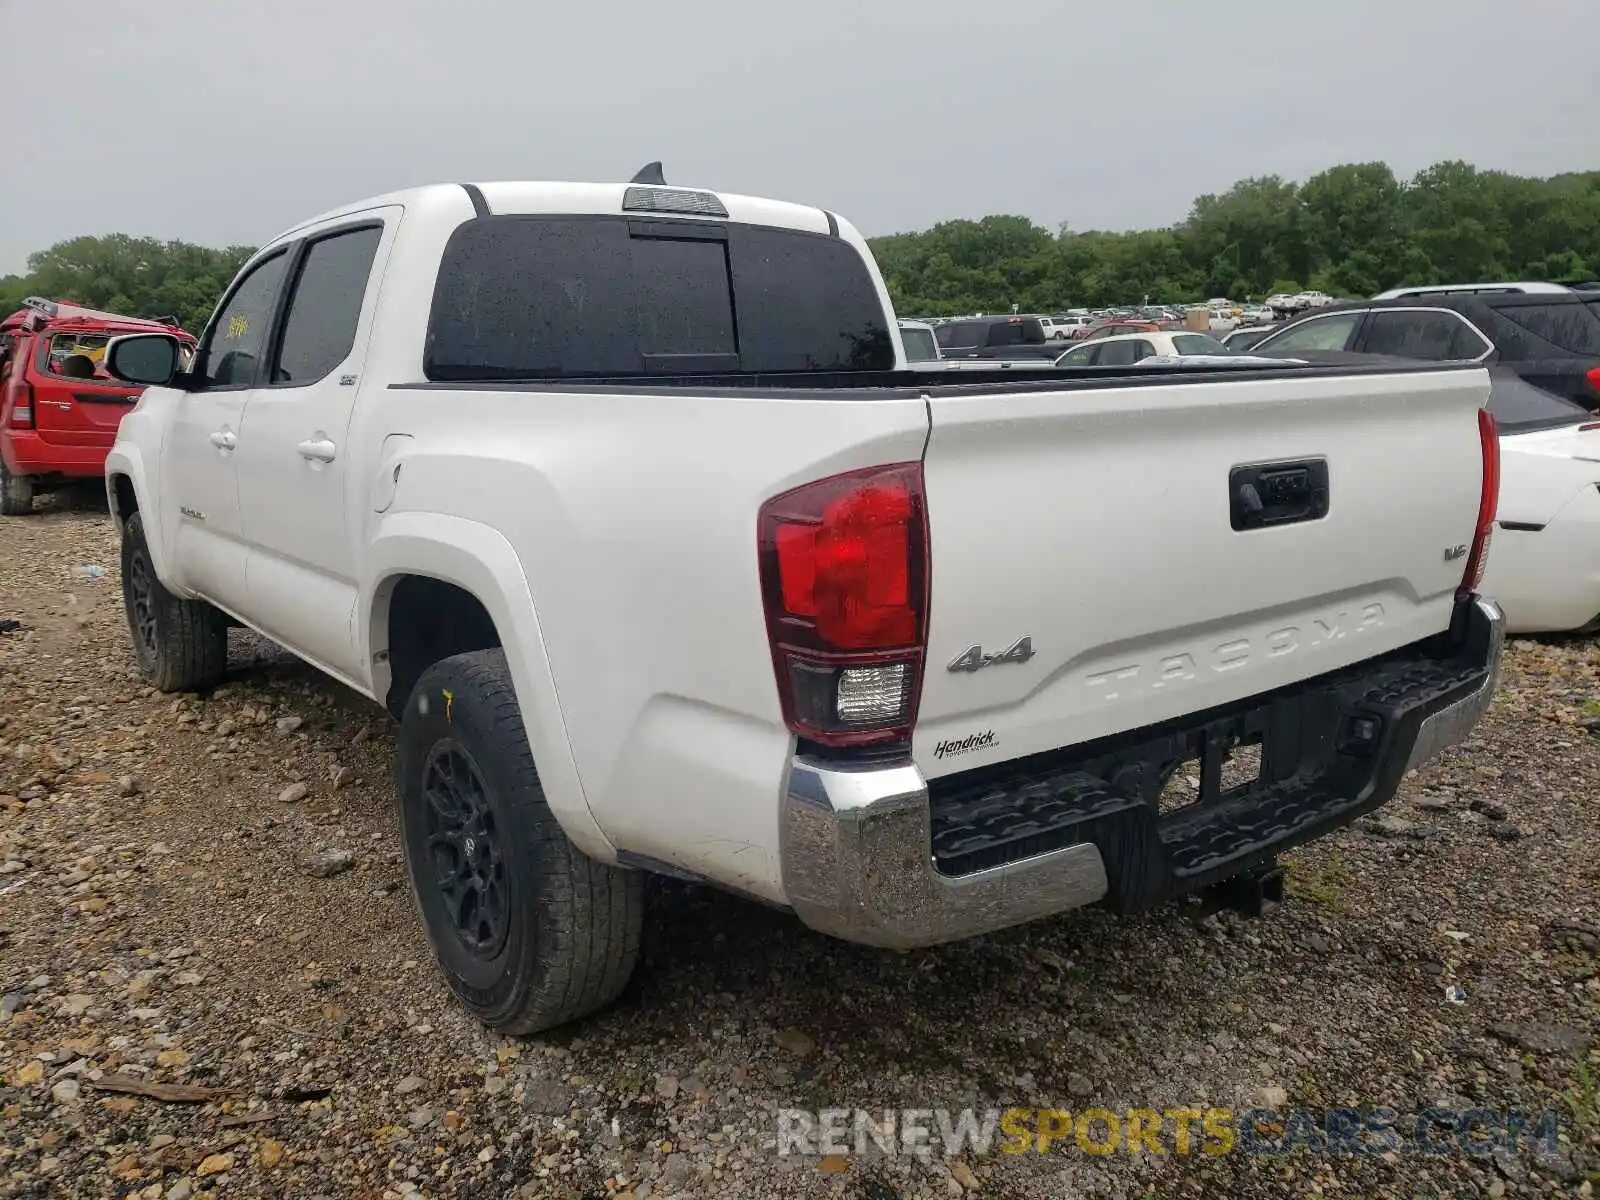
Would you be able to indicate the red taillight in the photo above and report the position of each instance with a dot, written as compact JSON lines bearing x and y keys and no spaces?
{"x":21,"y":406}
{"x":1488,"y":500}
{"x":1594,"y":378}
{"x":844,"y":577}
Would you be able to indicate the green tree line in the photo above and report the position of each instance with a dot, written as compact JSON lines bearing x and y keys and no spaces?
{"x":134,"y":276}
{"x":1351,"y":230}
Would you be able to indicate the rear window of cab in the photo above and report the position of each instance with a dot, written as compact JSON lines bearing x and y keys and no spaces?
{"x":535,"y":297}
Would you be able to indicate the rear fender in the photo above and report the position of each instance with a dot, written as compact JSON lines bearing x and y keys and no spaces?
{"x":481,"y":561}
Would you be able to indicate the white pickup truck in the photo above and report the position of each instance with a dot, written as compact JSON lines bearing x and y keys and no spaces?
{"x":622,"y":501}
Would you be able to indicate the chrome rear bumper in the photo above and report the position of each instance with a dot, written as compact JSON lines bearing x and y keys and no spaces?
{"x":856,"y":841}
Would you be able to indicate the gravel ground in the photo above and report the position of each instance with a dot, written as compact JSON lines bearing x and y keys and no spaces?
{"x":204,"y":894}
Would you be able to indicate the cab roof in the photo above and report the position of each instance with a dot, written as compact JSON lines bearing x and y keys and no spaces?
{"x":527,"y":198}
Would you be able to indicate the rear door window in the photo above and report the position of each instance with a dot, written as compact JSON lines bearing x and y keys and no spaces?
{"x":570,"y":297}
{"x":1120,"y":354}
{"x":1431,"y":335}
{"x":320,"y":329}
{"x":1333,"y":332}
{"x":78,"y":356}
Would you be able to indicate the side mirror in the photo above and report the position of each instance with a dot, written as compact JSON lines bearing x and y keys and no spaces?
{"x":151,"y":359}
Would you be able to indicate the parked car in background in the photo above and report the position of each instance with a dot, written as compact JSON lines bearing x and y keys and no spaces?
{"x":1246,"y":336}
{"x":1069,"y":328}
{"x":1122,"y":350}
{"x":1549,"y":337}
{"x":1313,"y":300}
{"x":919,"y":342}
{"x":1256,"y":314}
{"x":881,"y":660}
{"x":995,"y":337}
{"x":1115,"y":326}
{"x":1470,"y":289}
{"x":1282,"y":304}
{"x":1544,"y":563}
{"x":59,"y":407}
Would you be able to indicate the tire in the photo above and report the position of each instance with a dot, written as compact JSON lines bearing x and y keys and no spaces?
{"x":16,"y":493}
{"x":540,"y":934}
{"x":181,"y":645}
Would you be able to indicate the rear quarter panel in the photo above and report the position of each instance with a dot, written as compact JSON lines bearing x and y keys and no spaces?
{"x":633,"y":518}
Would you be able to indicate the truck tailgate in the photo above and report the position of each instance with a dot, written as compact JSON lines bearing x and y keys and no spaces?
{"x":1099,"y":522}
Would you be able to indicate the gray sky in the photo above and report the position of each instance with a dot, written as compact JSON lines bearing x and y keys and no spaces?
{"x":225,"y":121}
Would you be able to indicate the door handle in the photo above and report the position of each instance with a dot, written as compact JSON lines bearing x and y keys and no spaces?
{"x":317,"y":450}
{"x":223,"y":439}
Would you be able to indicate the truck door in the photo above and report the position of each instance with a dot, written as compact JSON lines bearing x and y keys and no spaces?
{"x":199,"y":476}
{"x":296,"y":482}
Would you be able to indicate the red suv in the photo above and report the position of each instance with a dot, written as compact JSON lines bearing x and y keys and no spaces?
{"x":59,"y":409}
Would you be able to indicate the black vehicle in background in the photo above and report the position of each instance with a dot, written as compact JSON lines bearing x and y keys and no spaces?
{"x":1547,"y":334}
{"x":995,"y":337}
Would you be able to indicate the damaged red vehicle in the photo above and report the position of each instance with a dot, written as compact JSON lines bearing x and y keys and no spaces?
{"x":59,"y":408}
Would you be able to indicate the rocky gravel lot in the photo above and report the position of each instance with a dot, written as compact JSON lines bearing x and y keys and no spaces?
{"x":213,"y":982}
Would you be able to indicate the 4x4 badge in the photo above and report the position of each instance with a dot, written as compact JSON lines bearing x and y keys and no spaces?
{"x":974,"y":659}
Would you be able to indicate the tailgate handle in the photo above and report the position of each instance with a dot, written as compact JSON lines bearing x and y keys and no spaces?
{"x":1281,"y":493}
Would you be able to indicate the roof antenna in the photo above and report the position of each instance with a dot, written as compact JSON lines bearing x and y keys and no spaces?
{"x":650,"y":173}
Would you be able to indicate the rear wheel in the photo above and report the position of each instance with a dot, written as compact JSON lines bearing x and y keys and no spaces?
{"x":530,"y":932}
{"x":16,"y":493}
{"x":181,"y":645}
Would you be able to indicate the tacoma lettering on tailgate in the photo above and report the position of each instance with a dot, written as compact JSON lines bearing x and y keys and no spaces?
{"x":1173,"y":669}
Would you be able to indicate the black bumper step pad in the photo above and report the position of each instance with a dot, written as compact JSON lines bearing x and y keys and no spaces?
{"x":1332,"y":748}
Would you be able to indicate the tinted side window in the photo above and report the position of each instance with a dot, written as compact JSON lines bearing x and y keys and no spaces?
{"x":805,"y":302}
{"x":1520,"y":405}
{"x":237,"y":338}
{"x":1198,"y":343}
{"x":1119,"y":354}
{"x":919,"y":344}
{"x":1573,"y":327}
{"x":1430,"y":336}
{"x":1321,"y":333}
{"x":961,"y":333}
{"x":1081,"y":357}
{"x":320,"y":329}
{"x":1026,"y":332}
